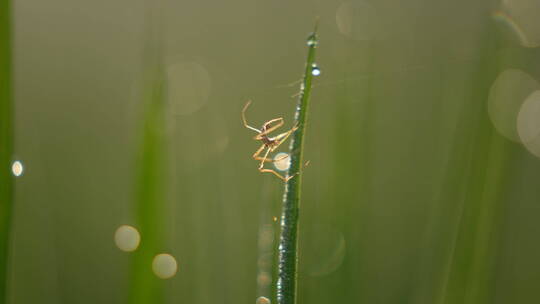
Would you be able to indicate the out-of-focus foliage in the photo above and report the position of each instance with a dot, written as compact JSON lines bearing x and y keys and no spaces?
{"x":412,"y":194}
{"x":6,"y":142}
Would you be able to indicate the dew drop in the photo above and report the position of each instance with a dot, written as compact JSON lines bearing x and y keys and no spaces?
{"x":17,"y":168}
{"x":127,"y":238}
{"x":312,"y":40}
{"x":164,"y":266}
{"x":315,"y":71}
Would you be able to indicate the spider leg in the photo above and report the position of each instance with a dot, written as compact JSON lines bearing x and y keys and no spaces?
{"x":301,"y":169}
{"x":283,"y":137}
{"x":285,"y":179}
{"x":280,"y":123}
{"x":271,"y":121}
{"x":256,"y":154}
{"x":244,"y":118}
{"x":261,"y":169}
{"x":271,"y":160}
{"x":263,"y":159}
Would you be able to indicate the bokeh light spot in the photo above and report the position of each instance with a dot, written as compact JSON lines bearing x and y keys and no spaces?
{"x":282,"y":161}
{"x":164,"y":266}
{"x":264,"y":279}
{"x":127,"y":238}
{"x":506,"y":96}
{"x":188,"y":87}
{"x":262,"y":300}
{"x":266,"y":235}
{"x":222,"y":143}
{"x":511,"y":27}
{"x":528,"y":123}
{"x":17,"y":168}
{"x":522,"y":17}
{"x":327,"y":253}
{"x":357,"y":20}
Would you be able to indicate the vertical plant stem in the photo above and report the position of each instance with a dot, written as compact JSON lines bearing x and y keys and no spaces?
{"x":288,"y":240}
{"x":150,"y":197}
{"x":6,"y":142}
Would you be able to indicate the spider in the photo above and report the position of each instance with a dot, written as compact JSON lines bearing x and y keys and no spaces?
{"x":268,"y":143}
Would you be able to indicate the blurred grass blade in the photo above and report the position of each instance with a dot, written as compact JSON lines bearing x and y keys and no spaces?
{"x":151,"y":166}
{"x":287,"y":263}
{"x":6,"y":142}
{"x":150,"y":199}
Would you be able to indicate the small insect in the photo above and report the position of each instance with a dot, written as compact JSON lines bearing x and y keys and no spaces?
{"x":268,"y":143}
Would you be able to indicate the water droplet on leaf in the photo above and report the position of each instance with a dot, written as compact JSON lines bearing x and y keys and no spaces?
{"x":312,"y":40}
{"x":315,"y":71}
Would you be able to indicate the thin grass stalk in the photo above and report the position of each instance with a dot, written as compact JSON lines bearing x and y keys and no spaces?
{"x":150,"y":199}
{"x":145,"y":287}
{"x":288,"y":240}
{"x":6,"y":143}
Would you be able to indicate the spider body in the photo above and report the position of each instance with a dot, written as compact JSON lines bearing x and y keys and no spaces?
{"x":268,"y":143}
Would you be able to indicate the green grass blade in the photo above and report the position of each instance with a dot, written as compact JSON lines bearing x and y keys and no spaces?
{"x":287,"y":263}
{"x":6,"y":142}
{"x":151,"y":166}
{"x":150,"y":200}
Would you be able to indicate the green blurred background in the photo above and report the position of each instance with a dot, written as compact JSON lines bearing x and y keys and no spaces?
{"x":422,"y":136}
